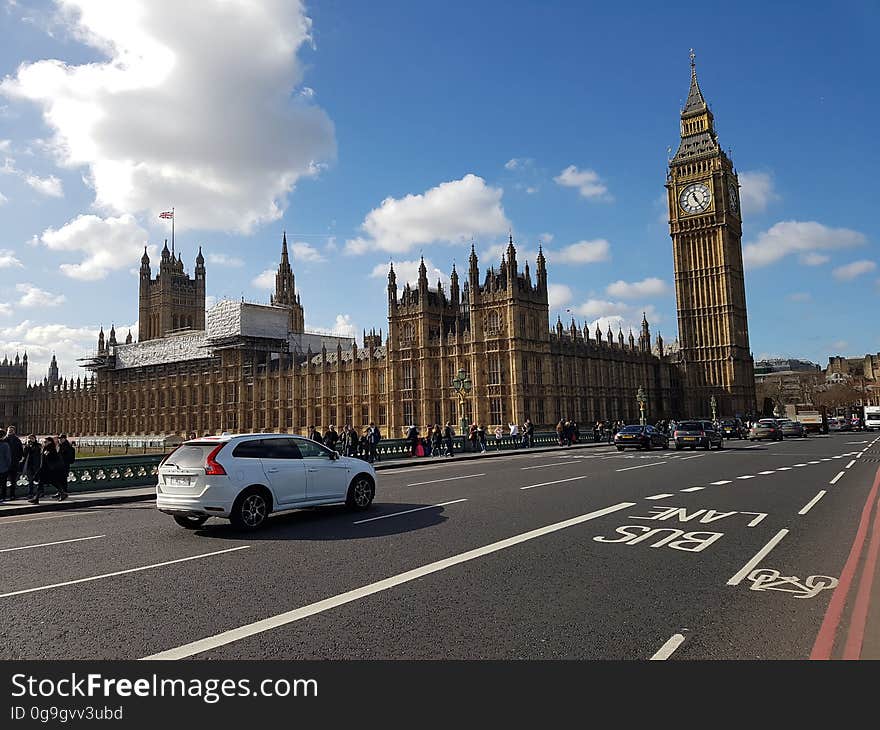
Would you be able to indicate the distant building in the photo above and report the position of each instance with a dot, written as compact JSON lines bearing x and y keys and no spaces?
{"x":778,"y":365}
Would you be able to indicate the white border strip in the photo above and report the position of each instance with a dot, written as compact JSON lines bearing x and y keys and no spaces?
{"x":665,"y":651}
{"x":47,"y":544}
{"x":809,"y":505}
{"x":759,"y":556}
{"x":408,"y":511}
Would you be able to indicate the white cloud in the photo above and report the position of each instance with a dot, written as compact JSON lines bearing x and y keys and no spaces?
{"x":265,"y":280}
{"x":516,"y":163}
{"x":546,"y":237}
{"x":787,"y":237}
{"x":840,"y":345}
{"x":50,"y":186}
{"x":192,"y":104}
{"x":650,"y":287}
{"x":8,"y":259}
{"x":532,"y":190}
{"x":620,"y":315}
{"x":5,"y":145}
{"x":452,"y":212}
{"x":107,"y":244}
{"x":854,"y":269}
{"x":756,"y":191}
{"x":814,"y":259}
{"x":223,"y":259}
{"x":3,"y":199}
{"x":33,"y":296}
{"x":800,"y":296}
{"x":306,"y":252}
{"x":408,"y":272}
{"x":210,"y":301}
{"x":343,"y":327}
{"x":582,"y":252}
{"x":558,"y":295}
{"x":588,"y":183}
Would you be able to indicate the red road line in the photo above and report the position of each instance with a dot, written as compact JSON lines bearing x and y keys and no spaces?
{"x":853,"y":647}
{"x":824,"y":643}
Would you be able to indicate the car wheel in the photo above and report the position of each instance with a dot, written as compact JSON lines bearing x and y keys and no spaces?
{"x":190,"y":522}
{"x":360,"y":493}
{"x":251,"y":509}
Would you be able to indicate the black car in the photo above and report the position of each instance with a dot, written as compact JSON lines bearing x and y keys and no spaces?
{"x":640,"y":437}
{"x":697,"y":433}
{"x":733,"y":428}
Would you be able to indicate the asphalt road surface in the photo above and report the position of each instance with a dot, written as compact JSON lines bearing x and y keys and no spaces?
{"x":581,"y":554}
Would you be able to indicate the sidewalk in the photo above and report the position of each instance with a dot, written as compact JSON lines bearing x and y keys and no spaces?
{"x":138,"y":494}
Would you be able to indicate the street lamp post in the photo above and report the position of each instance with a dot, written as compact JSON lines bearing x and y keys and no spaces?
{"x":714,"y":404}
{"x":642,"y":399}
{"x":461,"y":384}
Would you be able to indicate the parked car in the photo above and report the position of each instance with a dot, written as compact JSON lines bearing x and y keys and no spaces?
{"x":793,"y":429}
{"x":766,"y":428}
{"x":733,"y":428}
{"x":640,"y":437}
{"x":245,"y":478}
{"x":697,"y":433}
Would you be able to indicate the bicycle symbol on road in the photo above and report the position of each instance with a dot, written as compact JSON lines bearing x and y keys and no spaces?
{"x":767,"y":579}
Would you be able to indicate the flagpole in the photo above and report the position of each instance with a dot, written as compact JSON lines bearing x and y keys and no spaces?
{"x":172,"y":228}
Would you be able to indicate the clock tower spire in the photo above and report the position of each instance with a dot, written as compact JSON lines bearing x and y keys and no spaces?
{"x":706,"y":228}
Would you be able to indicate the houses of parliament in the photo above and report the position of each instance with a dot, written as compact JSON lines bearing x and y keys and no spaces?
{"x":241,"y":366}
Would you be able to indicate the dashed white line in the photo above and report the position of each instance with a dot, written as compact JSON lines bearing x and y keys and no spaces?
{"x":809,"y":505}
{"x":835,"y":480}
{"x":558,"y":481}
{"x":720,"y":482}
{"x":555,"y":463}
{"x":407,"y":511}
{"x":737,"y":578}
{"x":448,"y":479}
{"x":692,"y":489}
{"x":47,"y":544}
{"x":642,"y":466}
{"x":747,"y":476}
{"x":668,"y":648}
{"x":826,"y":459}
{"x":696,"y":456}
{"x":660,"y":496}
{"x":850,"y":464}
{"x":800,"y":464}
{"x":815,"y":462}
{"x":767,"y":472}
{"x":784,"y":468}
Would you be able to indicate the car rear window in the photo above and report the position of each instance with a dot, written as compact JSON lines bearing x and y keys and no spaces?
{"x":631,"y":429}
{"x":190,"y":456}
{"x":690,"y":426}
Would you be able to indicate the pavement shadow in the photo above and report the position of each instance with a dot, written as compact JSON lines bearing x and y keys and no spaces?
{"x":333,"y":522}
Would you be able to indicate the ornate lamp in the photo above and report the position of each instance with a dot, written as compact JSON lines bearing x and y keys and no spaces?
{"x":461,"y":384}
{"x":714,"y":405}
{"x":642,"y":399}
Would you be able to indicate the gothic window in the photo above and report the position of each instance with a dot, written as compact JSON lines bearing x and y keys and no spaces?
{"x":408,"y":380}
{"x":407,"y":333}
{"x":364,"y":383}
{"x":522,"y":325}
{"x":381,"y":381}
{"x":408,"y":413}
{"x":539,"y":371}
{"x":495,"y":372}
{"x":383,"y":414}
{"x":525,"y":369}
{"x":493,"y":323}
{"x":365,"y":414}
{"x":496,"y":411}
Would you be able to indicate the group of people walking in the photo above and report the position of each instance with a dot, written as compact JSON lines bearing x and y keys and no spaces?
{"x":350,"y":442}
{"x":46,"y":464}
{"x":437,"y":441}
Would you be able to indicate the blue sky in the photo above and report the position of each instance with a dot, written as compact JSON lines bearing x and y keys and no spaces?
{"x":386,"y":130}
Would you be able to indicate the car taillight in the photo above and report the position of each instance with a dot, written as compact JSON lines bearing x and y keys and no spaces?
{"x":675,"y":434}
{"x":212,"y":468}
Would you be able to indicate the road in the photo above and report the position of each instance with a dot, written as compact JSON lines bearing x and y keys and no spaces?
{"x":580,"y":554}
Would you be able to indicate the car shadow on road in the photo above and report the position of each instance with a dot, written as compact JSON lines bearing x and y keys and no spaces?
{"x":333,"y":522}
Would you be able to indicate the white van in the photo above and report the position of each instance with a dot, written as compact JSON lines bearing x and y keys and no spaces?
{"x":872,"y":417}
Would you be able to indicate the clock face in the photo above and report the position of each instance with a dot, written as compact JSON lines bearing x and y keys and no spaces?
{"x":695,"y":198}
{"x":734,"y":197}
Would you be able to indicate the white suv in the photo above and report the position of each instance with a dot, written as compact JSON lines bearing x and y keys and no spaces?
{"x":246,"y":478}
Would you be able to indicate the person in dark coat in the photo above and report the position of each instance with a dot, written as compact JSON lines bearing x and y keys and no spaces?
{"x":30,"y":463}
{"x":5,"y":464}
{"x":15,"y":450}
{"x":448,"y":433}
{"x":52,"y":471}
{"x":412,"y":435}
{"x":68,"y":456}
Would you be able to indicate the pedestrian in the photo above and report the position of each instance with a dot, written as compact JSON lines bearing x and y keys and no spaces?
{"x":192,"y":436}
{"x":499,"y":435}
{"x":68,"y":456}
{"x":315,"y":435}
{"x":5,"y":464}
{"x":436,"y":441}
{"x":52,"y":471}
{"x":375,"y":438}
{"x":481,"y":435}
{"x":15,"y":450}
{"x":560,"y":435}
{"x":31,"y":455}
{"x":331,"y":437}
{"x":529,"y":433}
{"x":514,"y":432}
{"x":473,"y":437}
{"x":351,"y":441}
{"x":448,"y":433}
{"x":412,"y":435}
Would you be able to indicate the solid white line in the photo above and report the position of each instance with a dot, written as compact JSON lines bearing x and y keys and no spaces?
{"x":692,"y":489}
{"x":122,"y":572}
{"x":47,"y":544}
{"x":282,"y":619}
{"x":448,"y":479}
{"x":555,"y":463}
{"x":850,"y":464}
{"x":722,"y":481}
{"x":759,"y":556}
{"x":659,"y":496}
{"x":766,"y":472}
{"x":642,"y":466}
{"x":12,"y":521}
{"x":670,"y":646}
{"x":696,"y":456}
{"x":839,"y":456}
{"x":558,"y":481}
{"x":826,"y":459}
{"x":747,"y":476}
{"x":808,"y":506}
{"x":407,"y":511}
{"x":834,"y":481}
{"x":859,"y":455}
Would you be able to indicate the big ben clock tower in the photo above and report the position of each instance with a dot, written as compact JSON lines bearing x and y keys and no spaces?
{"x":706,"y":228}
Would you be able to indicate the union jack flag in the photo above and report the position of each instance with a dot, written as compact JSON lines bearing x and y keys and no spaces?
{"x":167,"y":214}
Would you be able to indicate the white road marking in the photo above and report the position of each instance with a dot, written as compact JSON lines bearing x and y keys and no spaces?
{"x":766,"y":472}
{"x":800,"y":464}
{"x":826,"y":459}
{"x":859,"y":455}
{"x":692,"y":489}
{"x":784,"y":468}
{"x":839,"y":456}
{"x":809,"y":505}
{"x":6,"y":521}
{"x":288,"y":617}
{"x":720,"y":482}
{"x":759,"y":556}
{"x":668,"y":648}
{"x":747,"y":476}
{"x":47,"y":544}
{"x":696,"y":456}
{"x":660,"y":496}
{"x":122,"y":572}
{"x":835,"y":480}
{"x":642,"y":466}
{"x":407,"y":511}
{"x":447,"y":479}
{"x":555,"y":463}
{"x":850,"y":464}
{"x":815,"y":462}
{"x":558,"y":481}
{"x":851,"y":443}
